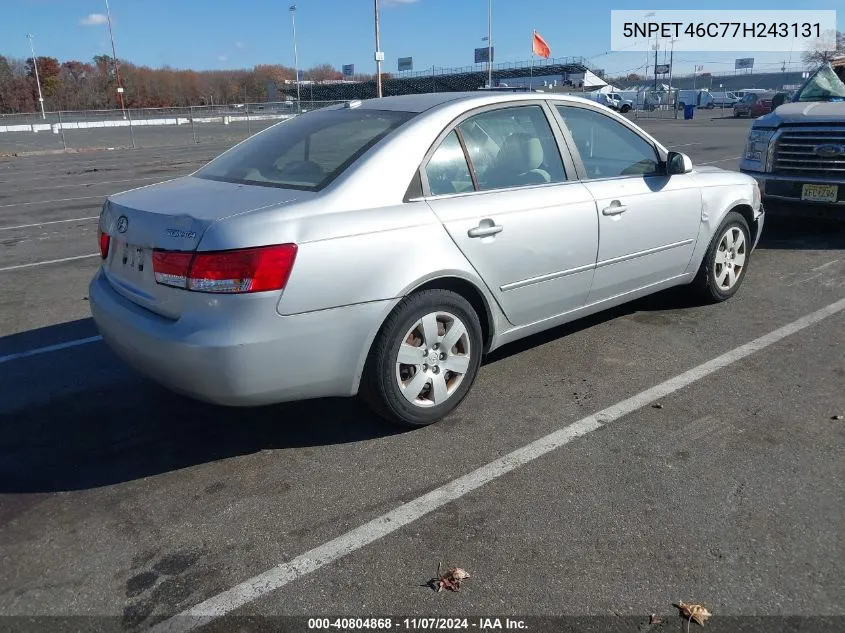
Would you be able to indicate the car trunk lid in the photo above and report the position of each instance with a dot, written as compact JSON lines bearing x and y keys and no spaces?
{"x":171,"y":216}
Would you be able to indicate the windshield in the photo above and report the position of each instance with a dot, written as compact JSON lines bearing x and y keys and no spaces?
{"x":825,"y":85}
{"x":306,"y":152}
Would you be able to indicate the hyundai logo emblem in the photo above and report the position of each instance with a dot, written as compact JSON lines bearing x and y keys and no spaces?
{"x":829,"y":150}
{"x":122,"y":224}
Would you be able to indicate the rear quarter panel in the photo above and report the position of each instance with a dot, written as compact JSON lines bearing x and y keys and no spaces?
{"x":358,"y":265}
{"x":346,"y":257}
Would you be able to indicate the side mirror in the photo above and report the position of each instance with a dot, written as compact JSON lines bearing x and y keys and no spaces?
{"x":678,"y":163}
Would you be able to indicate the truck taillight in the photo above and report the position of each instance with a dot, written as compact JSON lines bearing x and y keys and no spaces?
{"x":236,"y":271}
{"x":104,"y":240}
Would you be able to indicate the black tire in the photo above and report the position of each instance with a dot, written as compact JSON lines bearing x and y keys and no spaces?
{"x":379,"y":384}
{"x":626,"y":108}
{"x":705,"y":285}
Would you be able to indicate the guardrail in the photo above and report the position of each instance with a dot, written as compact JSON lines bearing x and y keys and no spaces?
{"x":143,"y":127}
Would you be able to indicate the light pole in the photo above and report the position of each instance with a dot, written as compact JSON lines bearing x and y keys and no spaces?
{"x":379,"y":55}
{"x":656,"y":48}
{"x":695,"y":70}
{"x":489,"y":43}
{"x":116,"y":64}
{"x":671,"y":59}
{"x":37,"y":80}
{"x":295,"y":54}
{"x":650,"y":14}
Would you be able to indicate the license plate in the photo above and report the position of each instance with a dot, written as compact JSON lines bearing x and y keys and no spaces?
{"x":129,"y":257}
{"x":820,"y":193}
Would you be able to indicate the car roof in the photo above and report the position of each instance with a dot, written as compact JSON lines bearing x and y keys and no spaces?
{"x":422,"y":102}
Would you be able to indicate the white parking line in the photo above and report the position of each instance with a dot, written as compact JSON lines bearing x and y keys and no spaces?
{"x":50,"y":348}
{"x":826,"y":265}
{"x":721,"y":160}
{"x":26,"y":204}
{"x":684,"y":145}
{"x":29,"y":226}
{"x":105,"y":182}
{"x":285,"y":573}
{"x":49,"y":261}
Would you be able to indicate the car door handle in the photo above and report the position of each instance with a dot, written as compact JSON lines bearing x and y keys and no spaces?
{"x":485,"y":230}
{"x":615,"y":208}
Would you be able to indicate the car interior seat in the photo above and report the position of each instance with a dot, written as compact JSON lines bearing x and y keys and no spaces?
{"x":519,"y":162}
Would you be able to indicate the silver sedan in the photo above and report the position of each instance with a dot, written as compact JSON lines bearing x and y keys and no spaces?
{"x":383,"y":247}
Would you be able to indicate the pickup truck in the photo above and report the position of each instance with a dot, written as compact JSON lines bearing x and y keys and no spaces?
{"x":610,"y":99}
{"x":619,"y":103}
{"x":797,"y":152}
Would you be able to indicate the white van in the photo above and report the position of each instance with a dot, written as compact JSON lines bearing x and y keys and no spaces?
{"x":698,"y":98}
{"x":742,"y":93}
{"x":599,"y":97}
{"x":725,"y":99}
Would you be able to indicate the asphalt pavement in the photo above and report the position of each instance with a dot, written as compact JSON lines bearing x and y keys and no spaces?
{"x":126,"y":503}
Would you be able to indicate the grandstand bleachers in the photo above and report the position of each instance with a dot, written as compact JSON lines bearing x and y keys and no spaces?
{"x":471,"y":78}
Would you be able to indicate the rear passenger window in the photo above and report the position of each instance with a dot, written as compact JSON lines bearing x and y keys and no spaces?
{"x":512,"y":147}
{"x":447,"y":170}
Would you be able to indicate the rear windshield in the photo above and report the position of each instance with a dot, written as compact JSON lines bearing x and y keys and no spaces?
{"x":306,"y":152}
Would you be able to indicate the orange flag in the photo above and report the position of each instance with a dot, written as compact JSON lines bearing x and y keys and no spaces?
{"x":541,"y":49}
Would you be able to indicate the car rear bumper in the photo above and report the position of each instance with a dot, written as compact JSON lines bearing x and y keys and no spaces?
{"x":237,"y":362}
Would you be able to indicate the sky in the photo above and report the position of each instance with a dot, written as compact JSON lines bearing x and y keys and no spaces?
{"x":223,"y":34}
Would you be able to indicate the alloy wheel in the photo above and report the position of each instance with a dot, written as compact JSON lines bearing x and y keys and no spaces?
{"x":433,"y":359}
{"x":729,"y":261}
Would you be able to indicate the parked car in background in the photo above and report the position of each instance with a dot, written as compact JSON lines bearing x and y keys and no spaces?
{"x":797,"y":152}
{"x":384,"y":247}
{"x":754,"y":104}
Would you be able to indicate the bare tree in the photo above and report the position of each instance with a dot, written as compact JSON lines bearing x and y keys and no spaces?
{"x":819,"y":54}
{"x":76,"y":84}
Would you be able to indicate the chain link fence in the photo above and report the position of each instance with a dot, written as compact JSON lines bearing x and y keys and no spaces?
{"x":220,"y":125}
{"x":655,"y":105}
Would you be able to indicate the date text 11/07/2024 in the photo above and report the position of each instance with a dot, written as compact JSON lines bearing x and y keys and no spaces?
{"x":415,"y":624}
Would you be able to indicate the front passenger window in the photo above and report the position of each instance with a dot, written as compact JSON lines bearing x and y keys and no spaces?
{"x":608,"y":149}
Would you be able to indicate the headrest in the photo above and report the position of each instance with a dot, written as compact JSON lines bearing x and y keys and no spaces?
{"x":520,"y":153}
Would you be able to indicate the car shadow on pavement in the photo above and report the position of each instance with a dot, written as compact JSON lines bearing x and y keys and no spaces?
{"x":80,"y":418}
{"x":87,"y":420}
{"x":678,"y":298}
{"x":782,"y":232}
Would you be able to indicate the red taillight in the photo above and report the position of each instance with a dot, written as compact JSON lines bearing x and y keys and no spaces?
{"x":238,"y":271}
{"x":104,"y":244}
{"x":171,"y":268}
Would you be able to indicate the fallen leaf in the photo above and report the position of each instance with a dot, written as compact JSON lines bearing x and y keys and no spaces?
{"x":655,"y":619}
{"x":657,"y":406}
{"x":837,"y":417}
{"x":696,"y":612}
{"x":451,"y":580}
{"x":459,"y":574}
